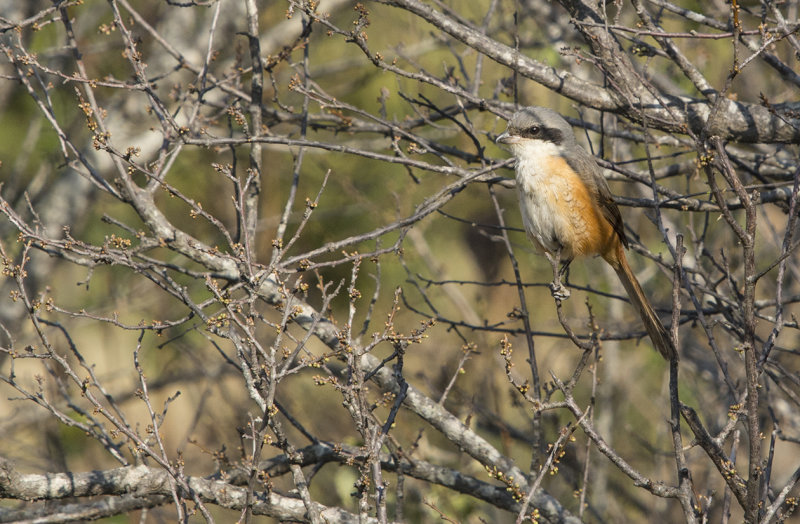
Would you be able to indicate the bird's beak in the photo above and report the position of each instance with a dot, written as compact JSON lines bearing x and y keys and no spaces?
{"x":505,"y":138}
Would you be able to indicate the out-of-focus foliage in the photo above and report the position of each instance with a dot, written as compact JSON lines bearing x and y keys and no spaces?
{"x":263,"y":260}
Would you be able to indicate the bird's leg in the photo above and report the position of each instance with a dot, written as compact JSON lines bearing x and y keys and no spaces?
{"x":557,"y":289}
{"x":565,"y":270}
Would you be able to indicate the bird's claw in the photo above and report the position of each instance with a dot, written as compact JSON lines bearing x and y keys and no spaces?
{"x":558,"y":291}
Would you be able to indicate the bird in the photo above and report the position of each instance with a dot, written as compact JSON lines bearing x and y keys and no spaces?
{"x":568,"y":209}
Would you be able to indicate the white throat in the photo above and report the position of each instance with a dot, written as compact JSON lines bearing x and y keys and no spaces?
{"x":532,"y":155}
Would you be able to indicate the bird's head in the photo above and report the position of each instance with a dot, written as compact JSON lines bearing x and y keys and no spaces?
{"x":536,"y":126}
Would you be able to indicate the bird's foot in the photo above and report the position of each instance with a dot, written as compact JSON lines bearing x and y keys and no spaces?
{"x":559,"y":291}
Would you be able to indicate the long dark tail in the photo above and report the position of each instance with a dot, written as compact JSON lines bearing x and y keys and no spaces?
{"x":656,"y":330}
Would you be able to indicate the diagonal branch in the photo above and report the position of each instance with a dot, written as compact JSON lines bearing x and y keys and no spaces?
{"x":741,"y":122}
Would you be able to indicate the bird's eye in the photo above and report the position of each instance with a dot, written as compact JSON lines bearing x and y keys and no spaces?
{"x":533,"y":130}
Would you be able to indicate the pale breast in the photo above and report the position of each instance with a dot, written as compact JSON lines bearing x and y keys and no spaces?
{"x":557,"y":210}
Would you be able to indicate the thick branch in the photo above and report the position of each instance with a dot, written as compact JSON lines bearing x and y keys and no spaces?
{"x":145,"y":482}
{"x":738,"y":121}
